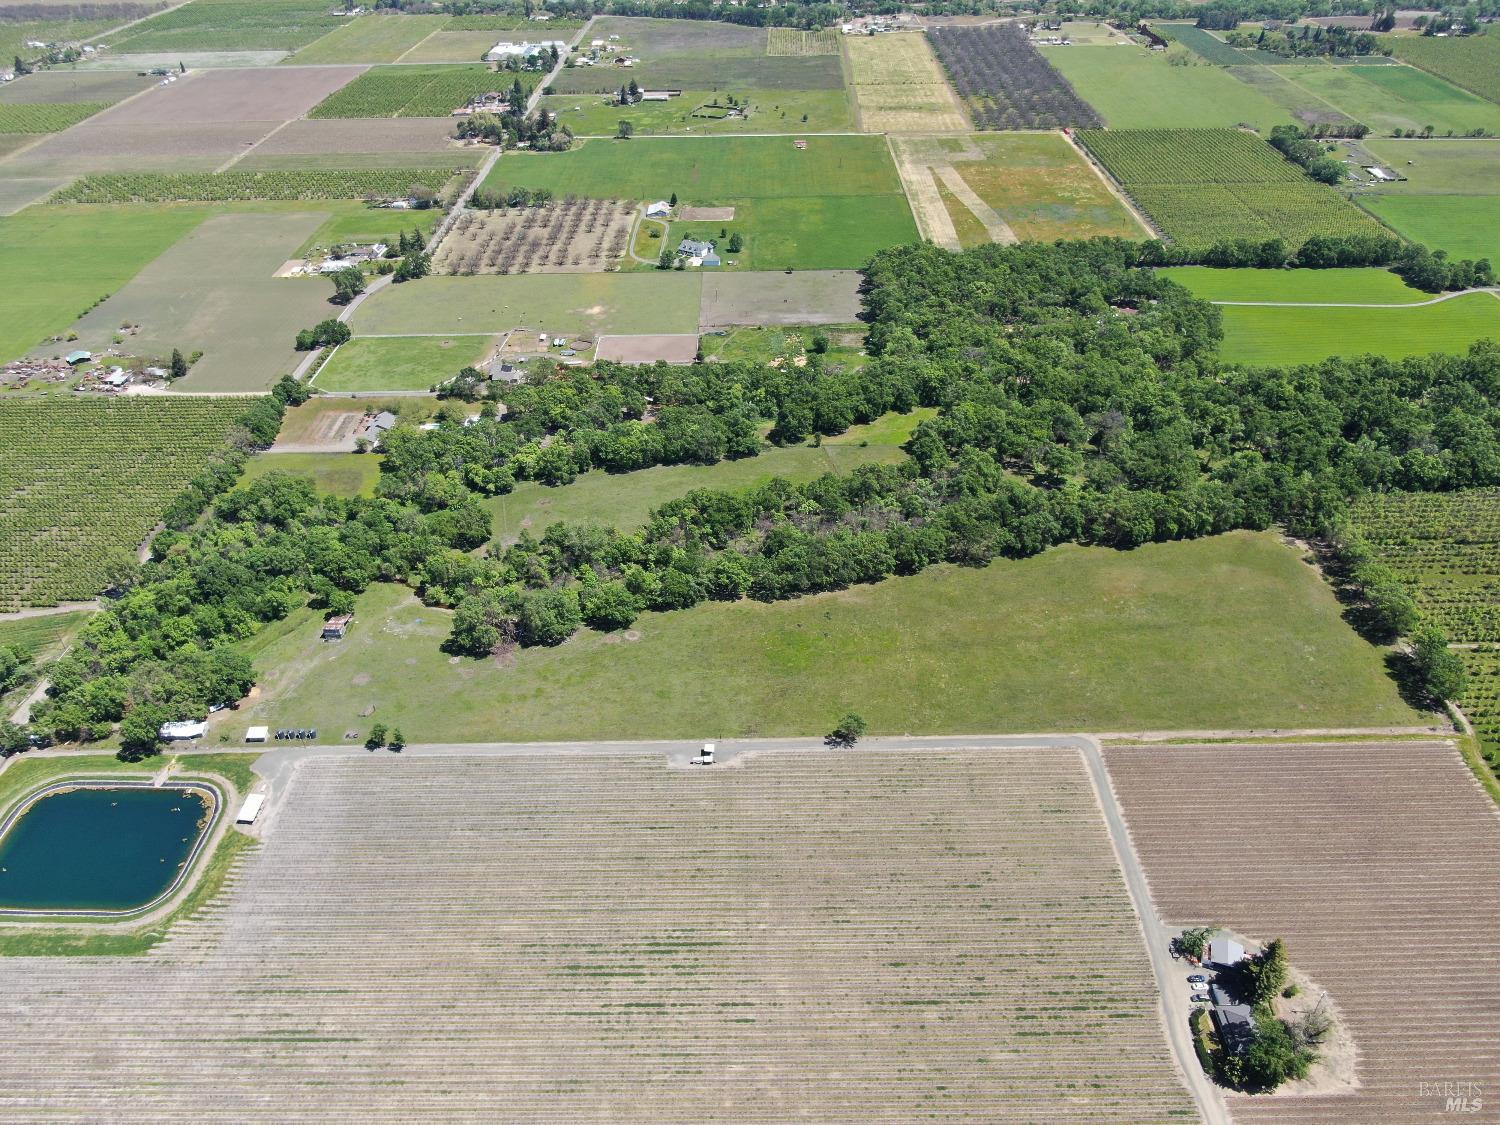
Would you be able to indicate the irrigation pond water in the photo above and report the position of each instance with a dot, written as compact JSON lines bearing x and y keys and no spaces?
{"x":99,"y":849}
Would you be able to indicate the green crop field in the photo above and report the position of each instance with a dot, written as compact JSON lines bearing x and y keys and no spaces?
{"x":334,"y":474}
{"x":1213,"y":49}
{"x":1229,"y":632}
{"x":626,"y":500}
{"x":377,"y":38}
{"x":90,"y":252}
{"x":238,"y":186}
{"x":564,"y":304}
{"x":1397,"y":97}
{"x":1133,"y":88}
{"x":1356,"y":286}
{"x":1203,"y":185}
{"x":1306,"y":335}
{"x":828,"y":206}
{"x":39,"y":636}
{"x":401,"y":363}
{"x":1467,"y":226}
{"x":413,"y":91}
{"x":1472,"y":62}
{"x":769,"y":111}
{"x":45,"y":117}
{"x":62,"y":517}
{"x":231,"y":25}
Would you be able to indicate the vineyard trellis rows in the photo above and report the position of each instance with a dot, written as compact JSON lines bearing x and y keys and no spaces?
{"x":414,"y":91}
{"x":1006,"y":82}
{"x":794,"y":41}
{"x":1205,"y":185}
{"x":870,"y":937}
{"x":83,"y":479}
{"x":571,"y":235}
{"x":46,"y":117}
{"x":237,"y":186}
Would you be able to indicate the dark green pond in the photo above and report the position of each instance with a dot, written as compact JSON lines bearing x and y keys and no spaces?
{"x":98,"y":849}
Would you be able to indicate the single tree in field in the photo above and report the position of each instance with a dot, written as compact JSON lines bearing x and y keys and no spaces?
{"x":625,"y":130}
{"x":348,"y":283}
{"x":736,"y":243}
{"x":397,"y":742}
{"x":377,"y":737}
{"x":673,"y":201}
{"x":178,"y":367}
{"x":848,"y":731}
{"x":665,"y":261}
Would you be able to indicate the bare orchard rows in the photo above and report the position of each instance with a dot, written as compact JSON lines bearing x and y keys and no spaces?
{"x":1379,"y":865}
{"x":564,"y":236}
{"x":1006,"y":81}
{"x":853,"y":937}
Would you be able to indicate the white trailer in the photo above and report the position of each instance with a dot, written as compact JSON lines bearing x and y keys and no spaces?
{"x":250,"y":809}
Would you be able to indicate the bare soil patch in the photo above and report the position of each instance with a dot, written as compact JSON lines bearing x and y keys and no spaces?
{"x":233,"y":95}
{"x":648,"y":349}
{"x":806,"y":297}
{"x":708,"y":214}
{"x":382,"y":134}
{"x":564,"y":236}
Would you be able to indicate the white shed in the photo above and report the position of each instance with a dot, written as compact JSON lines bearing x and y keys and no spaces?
{"x":257,"y":734}
{"x":173,"y":732}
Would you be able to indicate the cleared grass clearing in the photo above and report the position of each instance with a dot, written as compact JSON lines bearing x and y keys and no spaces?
{"x":966,"y":934}
{"x":1394,"y":842}
{"x":449,"y":46}
{"x":798,"y":112}
{"x":1231,"y":632}
{"x":1397,"y":97}
{"x":563,"y":304}
{"x":625,"y":501}
{"x":334,"y":474}
{"x":400,"y":363}
{"x":41,"y":636}
{"x":899,"y":87}
{"x":1359,"y":286}
{"x":1306,"y":335}
{"x":1467,"y":226}
{"x":1437,"y":166}
{"x":1133,"y":88}
{"x":375,"y":38}
{"x":804,"y":297}
{"x":68,"y":86}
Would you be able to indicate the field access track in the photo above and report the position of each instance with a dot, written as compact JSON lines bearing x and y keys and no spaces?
{"x":1380,"y":867}
{"x":860,"y":936}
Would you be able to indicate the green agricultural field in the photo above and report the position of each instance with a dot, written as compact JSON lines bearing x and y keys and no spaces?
{"x":563,"y":304}
{"x":245,"y":186}
{"x":1438,"y":166}
{"x":1467,"y":226}
{"x":91,"y":252}
{"x":829,"y":206}
{"x":1203,"y":185}
{"x":376,"y":38}
{"x":412,"y":91}
{"x":449,"y":46}
{"x":401,"y":363}
{"x":334,"y":474}
{"x":40,"y":636}
{"x":1229,"y":632}
{"x":351,"y":221}
{"x":694,"y":113}
{"x":45,"y":117}
{"x":1387,"y":98}
{"x":625,"y":501}
{"x":1133,"y":88}
{"x":767,"y":344}
{"x":1313,"y":287}
{"x":231,"y":25}
{"x":59,"y":526}
{"x":1472,"y":62}
{"x":1306,"y":335}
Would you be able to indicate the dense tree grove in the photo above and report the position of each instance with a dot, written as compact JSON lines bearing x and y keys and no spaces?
{"x":1079,"y":398}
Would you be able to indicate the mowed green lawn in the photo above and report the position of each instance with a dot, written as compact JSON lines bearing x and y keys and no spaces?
{"x":831,"y":205}
{"x":1439,"y":166}
{"x":1133,"y":88}
{"x":337,"y":474}
{"x":1467,"y":226}
{"x":1231,"y":632}
{"x":1305,"y":335}
{"x":1397,"y":97}
{"x":563,"y":304}
{"x":625,"y":501}
{"x":1360,"y":286}
{"x":400,"y":363}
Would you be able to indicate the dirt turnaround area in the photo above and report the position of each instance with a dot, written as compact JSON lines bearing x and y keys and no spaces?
{"x":861,"y":936}
{"x":1379,"y":866}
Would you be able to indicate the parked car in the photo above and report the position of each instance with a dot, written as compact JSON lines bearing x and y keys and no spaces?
{"x":1200,"y":998}
{"x":1200,"y":986}
{"x":1197,"y":978}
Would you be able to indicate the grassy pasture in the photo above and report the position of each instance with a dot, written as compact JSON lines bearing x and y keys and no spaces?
{"x":564,"y":304}
{"x":1230,"y":632}
{"x":1133,"y":88}
{"x":334,"y":474}
{"x":40,"y":636}
{"x":449,"y":46}
{"x":625,"y":501}
{"x":232,"y":25}
{"x":1397,"y":97}
{"x":900,"y":87}
{"x":402,"y":363}
{"x":806,"y":297}
{"x":1472,"y":62}
{"x":1438,"y":166}
{"x":375,"y":38}
{"x":771,"y":111}
{"x":1467,"y":226}
{"x":1356,"y":286}
{"x":1306,"y":335}
{"x":66,"y":86}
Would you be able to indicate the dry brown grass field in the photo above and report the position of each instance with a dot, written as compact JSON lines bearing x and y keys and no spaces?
{"x":565,"y":236}
{"x":899,"y":86}
{"x":1379,"y":866}
{"x":862,"y":936}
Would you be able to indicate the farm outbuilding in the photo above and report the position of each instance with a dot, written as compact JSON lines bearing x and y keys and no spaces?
{"x":257,"y":734}
{"x":182,"y":731}
{"x":1225,"y":952}
{"x":250,"y":809}
{"x":336,"y":628}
